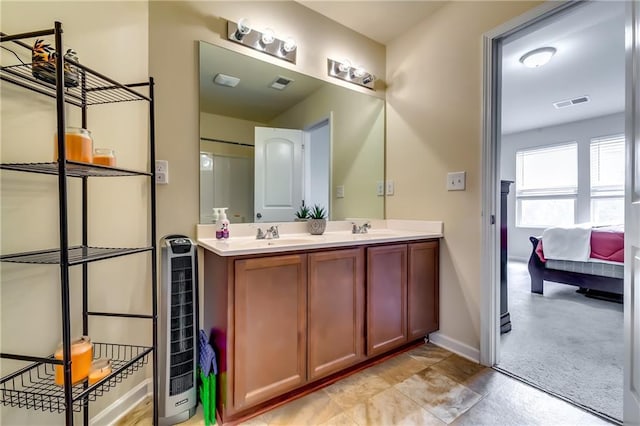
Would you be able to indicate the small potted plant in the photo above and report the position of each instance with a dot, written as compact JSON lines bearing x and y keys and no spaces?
{"x":317,"y":221}
{"x":302,"y":214}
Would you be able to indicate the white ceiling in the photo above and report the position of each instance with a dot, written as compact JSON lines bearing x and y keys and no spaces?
{"x":589,"y":61}
{"x":381,"y":21}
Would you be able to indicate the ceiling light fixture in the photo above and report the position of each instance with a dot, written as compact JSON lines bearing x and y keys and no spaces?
{"x":263,"y":41}
{"x":538,"y":57}
{"x":353,"y":74}
{"x":226,"y":80}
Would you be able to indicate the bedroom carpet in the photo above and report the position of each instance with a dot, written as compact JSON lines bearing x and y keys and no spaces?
{"x":565,"y":342}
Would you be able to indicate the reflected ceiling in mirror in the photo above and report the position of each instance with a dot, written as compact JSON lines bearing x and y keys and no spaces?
{"x":229,"y":115}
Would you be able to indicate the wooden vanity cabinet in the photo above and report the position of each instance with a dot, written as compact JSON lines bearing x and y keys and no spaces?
{"x":270,"y":317}
{"x":402,"y":294}
{"x":281,"y":323}
{"x":386,"y":298}
{"x":335,"y":311}
{"x":422,"y":289}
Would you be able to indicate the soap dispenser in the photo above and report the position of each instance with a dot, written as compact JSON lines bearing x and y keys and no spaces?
{"x":224,"y":222}
{"x":216,"y":215}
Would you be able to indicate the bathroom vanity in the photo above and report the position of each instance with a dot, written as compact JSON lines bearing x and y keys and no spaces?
{"x":291,"y":314}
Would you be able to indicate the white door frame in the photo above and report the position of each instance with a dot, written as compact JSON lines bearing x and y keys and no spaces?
{"x":632,"y":219}
{"x":490,"y":262}
{"x":490,"y":294}
{"x":325,"y":121}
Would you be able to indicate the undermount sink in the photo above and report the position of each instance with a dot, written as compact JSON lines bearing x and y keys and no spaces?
{"x":288,"y":241}
{"x":246,"y":242}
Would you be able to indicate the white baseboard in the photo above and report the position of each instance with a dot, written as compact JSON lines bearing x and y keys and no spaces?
{"x":123,"y":405}
{"x":455,"y":346}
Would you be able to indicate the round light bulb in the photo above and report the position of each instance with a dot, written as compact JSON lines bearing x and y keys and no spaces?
{"x":289,"y":45}
{"x":344,"y":65}
{"x":268,"y":36}
{"x":244,"y":28}
{"x":359,"y":72}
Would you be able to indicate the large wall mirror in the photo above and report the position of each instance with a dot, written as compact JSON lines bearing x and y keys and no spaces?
{"x":279,"y":138}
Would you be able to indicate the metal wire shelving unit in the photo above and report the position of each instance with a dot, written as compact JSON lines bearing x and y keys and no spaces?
{"x":33,"y":386}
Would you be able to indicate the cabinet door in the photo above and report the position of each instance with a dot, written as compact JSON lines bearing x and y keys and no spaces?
{"x":270,"y":328}
{"x":422,"y":287}
{"x":336,"y":311}
{"x":386,"y":298}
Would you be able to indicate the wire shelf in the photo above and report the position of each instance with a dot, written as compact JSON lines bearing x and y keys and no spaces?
{"x":92,"y":88}
{"x":34,"y":387}
{"x":74,"y":169}
{"x":77,"y":255}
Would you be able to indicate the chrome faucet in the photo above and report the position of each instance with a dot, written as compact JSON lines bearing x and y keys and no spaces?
{"x":360,"y":229}
{"x":273,"y":230}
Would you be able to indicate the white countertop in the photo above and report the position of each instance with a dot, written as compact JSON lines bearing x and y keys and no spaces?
{"x":294,"y":236}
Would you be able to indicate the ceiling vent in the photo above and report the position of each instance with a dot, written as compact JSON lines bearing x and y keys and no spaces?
{"x":280,"y":83}
{"x":571,"y":102}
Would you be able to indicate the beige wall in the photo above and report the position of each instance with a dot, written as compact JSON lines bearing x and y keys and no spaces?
{"x":357,"y":146}
{"x":116,"y":44}
{"x":434,"y":101}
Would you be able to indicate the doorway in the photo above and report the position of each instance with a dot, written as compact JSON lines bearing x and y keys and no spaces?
{"x":579,"y":202}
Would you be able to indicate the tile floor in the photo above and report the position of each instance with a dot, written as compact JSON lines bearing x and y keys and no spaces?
{"x":424,"y":386}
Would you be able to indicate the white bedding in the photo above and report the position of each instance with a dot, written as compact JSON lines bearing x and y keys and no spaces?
{"x":568,"y":242}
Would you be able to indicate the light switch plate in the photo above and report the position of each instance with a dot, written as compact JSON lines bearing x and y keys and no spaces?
{"x":340,"y":191}
{"x":456,"y":181}
{"x":380,"y":188}
{"x":162,"y":172}
{"x":390,"y":188}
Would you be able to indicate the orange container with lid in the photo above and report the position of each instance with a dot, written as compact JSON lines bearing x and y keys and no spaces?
{"x":104,"y":157}
{"x":100,"y":368}
{"x":81,"y":357}
{"x":78,"y":145}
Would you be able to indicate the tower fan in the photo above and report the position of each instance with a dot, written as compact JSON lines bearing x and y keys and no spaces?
{"x":177,"y":340}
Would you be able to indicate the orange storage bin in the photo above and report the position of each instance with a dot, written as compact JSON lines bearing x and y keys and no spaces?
{"x":78,"y":145}
{"x":81,"y":357}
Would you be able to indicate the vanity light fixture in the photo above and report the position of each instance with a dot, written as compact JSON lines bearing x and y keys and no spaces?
{"x":263,"y":41}
{"x":287,"y":46}
{"x":353,"y":74}
{"x":268,"y":37}
{"x":538,"y":57}
{"x":242,"y":29}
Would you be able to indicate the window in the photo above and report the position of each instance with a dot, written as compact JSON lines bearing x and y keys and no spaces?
{"x":607,"y":180}
{"x":546,"y":185}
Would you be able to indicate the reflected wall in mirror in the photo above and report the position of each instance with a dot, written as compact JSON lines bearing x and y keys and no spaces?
{"x":339,"y":167}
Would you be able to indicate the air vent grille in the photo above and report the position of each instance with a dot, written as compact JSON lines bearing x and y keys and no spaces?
{"x":571,"y":102}
{"x":182,"y":338}
{"x":280,"y":83}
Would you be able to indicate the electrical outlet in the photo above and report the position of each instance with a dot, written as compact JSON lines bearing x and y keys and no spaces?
{"x":162,"y":172}
{"x":380,"y":188}
{"x":456,"y":181}
{"x":340,"y":191}
{"x":390,"y":188}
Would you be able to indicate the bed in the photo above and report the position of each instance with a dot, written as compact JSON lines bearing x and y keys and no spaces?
{"x":592,"y":261}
